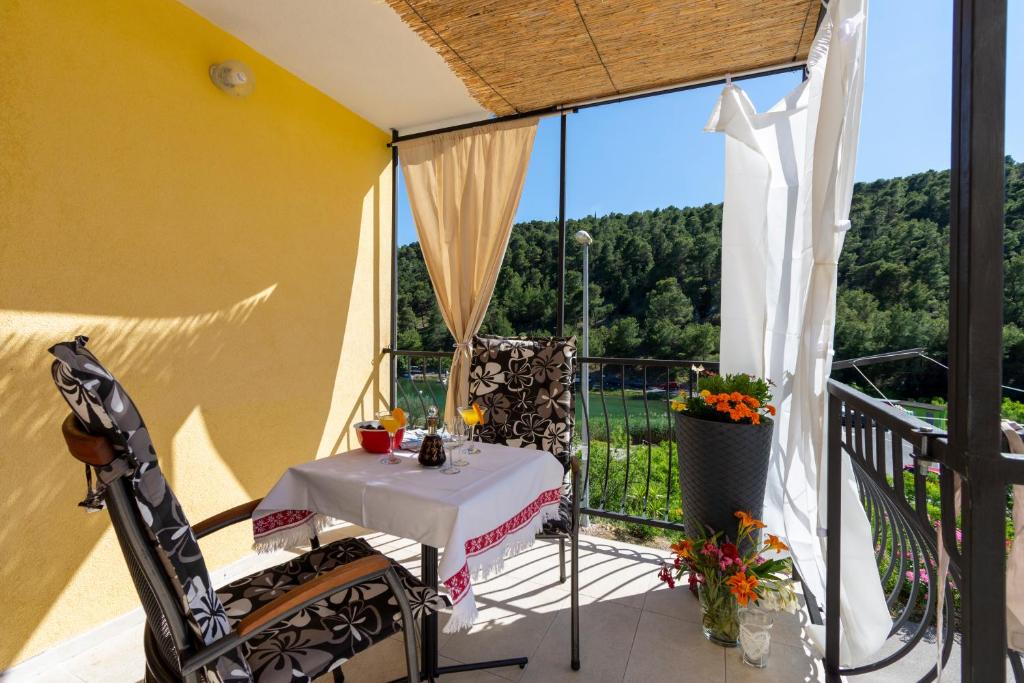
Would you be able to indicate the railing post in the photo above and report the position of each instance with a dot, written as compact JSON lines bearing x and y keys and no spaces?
{"x":833,"y":521}
{"x":975,"y":326}
{"x":560,"y":307}
{"x":585,"y":240}
{"x":393,"y":344}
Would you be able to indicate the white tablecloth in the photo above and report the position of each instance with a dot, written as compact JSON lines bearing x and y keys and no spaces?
{"x":489,"y":511}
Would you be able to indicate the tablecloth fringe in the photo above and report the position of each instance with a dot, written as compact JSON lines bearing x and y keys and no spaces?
{"x":492,"y":561}
{"x":295,"y":536}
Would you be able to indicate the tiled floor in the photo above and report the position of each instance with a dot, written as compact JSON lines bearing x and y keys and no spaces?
{"x":633,"y":628}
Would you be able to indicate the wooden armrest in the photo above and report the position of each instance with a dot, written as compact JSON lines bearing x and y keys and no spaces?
{"x":237,"y":514}
{"x":92,"y":450}
{"x":321,"y":586}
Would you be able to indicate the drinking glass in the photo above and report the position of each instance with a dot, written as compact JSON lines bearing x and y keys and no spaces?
{"x":459,"y":430}
{"x":391,"y":425}
{"x":452,"y":440}
{"x":755,"y":636}
{"x":472,"y":418}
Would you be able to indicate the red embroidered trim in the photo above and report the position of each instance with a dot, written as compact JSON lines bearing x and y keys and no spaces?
{"x":278,"y":521}
{"x":458,"y":583}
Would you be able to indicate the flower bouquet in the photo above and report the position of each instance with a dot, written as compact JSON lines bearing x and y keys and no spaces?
{"x":725,"y":578}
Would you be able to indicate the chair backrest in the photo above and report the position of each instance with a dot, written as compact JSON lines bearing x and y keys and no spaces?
{"x":161,"y":551}
{"x":526,"y":387}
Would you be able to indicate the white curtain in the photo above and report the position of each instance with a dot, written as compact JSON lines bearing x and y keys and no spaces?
{"x":788,"y":187}
{"x":464,"y":188}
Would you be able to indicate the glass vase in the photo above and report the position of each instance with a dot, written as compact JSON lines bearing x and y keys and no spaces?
{"x":718,"y":615}
{"x":756,"y":635}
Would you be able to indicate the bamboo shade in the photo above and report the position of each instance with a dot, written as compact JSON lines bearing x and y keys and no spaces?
{"x":524,"y":55}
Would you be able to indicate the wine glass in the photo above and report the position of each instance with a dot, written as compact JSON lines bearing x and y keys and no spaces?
{"x":452,"y":440}
{"x":459,"y":430}
{"x":391,"y":424}
{"x":473,"y":415}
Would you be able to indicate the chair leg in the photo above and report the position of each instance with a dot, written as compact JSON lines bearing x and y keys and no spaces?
{"x":339,"y":675}
{"x":575,"y":586}
{"x":408,"y":625}
{"x":575,"y":602}
{"x":561,"y":560}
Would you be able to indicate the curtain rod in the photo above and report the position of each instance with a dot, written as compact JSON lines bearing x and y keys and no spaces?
{"x":599,"y":102}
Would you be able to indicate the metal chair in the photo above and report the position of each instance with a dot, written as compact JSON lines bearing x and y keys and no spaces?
{"x":525,"y":385}
{"x":292,"y":622}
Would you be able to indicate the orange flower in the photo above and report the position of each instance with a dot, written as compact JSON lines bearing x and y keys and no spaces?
{"x":771,"y":409}
{"x":682,"y":548}
{"x":746,"y":521}
{"x":776,"y":544}
{"x":742,"y":587}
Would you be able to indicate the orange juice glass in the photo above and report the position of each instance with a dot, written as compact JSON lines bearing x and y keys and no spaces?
{"x":391,"y":421}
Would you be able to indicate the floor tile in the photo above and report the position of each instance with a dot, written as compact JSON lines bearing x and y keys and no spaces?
{"x":607,"y":630}
{"x":785,"y":663}
{"x":120,"y":658}
{"x":633,"y":628}
{"x":499,"y":634}
{"x":384,"y":661}
{"x":677,"y":602}
{"x":667,"y":649}
{"x":482,"y":676}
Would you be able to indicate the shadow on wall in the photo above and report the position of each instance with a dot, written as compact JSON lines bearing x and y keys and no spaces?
{"x":266,"y":374}
{"x":224,"y":256}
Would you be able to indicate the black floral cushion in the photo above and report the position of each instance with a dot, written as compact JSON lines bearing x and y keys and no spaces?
{"x":325,"y":634}
{"x":526,"y":387}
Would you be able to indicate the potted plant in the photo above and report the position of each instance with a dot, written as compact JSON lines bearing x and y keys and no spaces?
{"x":724,"y":436}
{"x":726,"y":578}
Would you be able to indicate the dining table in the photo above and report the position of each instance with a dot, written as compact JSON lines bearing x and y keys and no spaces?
{"x":467,"y":523}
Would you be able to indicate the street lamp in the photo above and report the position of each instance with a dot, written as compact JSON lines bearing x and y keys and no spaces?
{"x":584,"y":239}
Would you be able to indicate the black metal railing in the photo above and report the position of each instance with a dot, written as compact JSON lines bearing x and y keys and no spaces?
{"x":624,"y":428}
{"x":625,"y":435}
{"x":907,"y":497}
{"x":420,"y":382}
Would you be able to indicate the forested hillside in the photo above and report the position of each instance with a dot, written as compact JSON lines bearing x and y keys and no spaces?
{"x":655,"y":278}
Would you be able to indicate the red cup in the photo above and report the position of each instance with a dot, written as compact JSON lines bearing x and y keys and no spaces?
{"x":374,"y":439}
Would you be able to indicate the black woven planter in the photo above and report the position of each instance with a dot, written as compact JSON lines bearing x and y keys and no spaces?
{"x":723,"y":467}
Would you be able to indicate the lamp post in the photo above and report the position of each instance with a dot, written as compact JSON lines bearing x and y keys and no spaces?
{"x":584,"y":239}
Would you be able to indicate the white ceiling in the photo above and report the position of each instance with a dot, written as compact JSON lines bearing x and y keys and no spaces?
{"x":358,"y":52}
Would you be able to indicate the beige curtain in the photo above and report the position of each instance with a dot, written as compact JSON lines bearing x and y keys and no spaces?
{"x":464,"y":188}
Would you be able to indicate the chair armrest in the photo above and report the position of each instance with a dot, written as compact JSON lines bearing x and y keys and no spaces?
{"x":290,"y":603}
{"x":221,"y":520}
{"x":92,"y":450}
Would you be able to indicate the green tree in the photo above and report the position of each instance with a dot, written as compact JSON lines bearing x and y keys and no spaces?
{"x":623,"y":337}
{"x":656,"y":280}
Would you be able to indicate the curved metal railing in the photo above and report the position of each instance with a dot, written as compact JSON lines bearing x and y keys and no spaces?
{"x":907,"y":500}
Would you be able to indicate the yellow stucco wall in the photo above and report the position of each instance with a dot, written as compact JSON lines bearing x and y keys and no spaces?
{"x":226,"y":256}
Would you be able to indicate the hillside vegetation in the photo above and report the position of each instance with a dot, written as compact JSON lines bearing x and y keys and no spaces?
{"x":655,"y":282}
